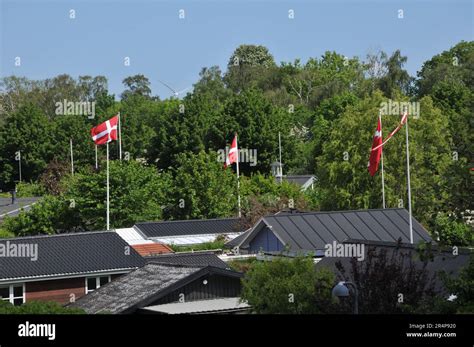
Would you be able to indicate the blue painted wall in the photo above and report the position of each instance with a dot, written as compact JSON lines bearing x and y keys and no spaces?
{"x":265,"y":240}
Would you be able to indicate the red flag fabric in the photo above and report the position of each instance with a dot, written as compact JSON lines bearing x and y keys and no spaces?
{"x":233,"y":153}
{"x":105,"y":132}
{"x":374,"y":159}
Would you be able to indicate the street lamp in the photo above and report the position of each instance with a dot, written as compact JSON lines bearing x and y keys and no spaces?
{"x":340,"y":290}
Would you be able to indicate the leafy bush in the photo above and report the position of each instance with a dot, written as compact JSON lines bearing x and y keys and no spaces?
{"x":37,"y":307}
{"x":288,"y":286}
{"x":26,"y":190}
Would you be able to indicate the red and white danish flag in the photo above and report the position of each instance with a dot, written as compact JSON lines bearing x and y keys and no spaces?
{"x":376,"y":151}
{"x":105,"y":132}
{"x":233,"y":153}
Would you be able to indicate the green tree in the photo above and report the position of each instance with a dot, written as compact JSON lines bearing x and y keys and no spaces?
{"x":247,"y":64}
{"x":288,"y":286}
{"x":463,"y":287}
{"x":342,"y":166}
{"x":29,"y":131}
{"x":137,"y":193}
{"x":136,"y":85}
{"x":201,"y":188}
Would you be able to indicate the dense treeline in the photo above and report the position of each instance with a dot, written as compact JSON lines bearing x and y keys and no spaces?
{"x":326,"y":110}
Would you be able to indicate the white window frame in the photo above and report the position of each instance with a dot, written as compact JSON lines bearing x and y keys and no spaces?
{"x":11,"y":294}
{"x":97,"y":282}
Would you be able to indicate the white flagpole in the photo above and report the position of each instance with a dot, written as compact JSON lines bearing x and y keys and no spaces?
{"x":281,"y":165}
{"x":108,"y":200}
{"x":120,"y":137}
{"x":96,"y":162}
{"x":408,"y":182}
{"x":72,"y":158}
{"x":238,"y":176}
{"x":383,"y":181}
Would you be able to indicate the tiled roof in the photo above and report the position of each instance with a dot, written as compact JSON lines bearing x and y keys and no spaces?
{"x":198,"y":259}
{"x":67,"y":255}
{"x":189,"y":227}
{"x":313,"y":230}
{"x":151,"y":249}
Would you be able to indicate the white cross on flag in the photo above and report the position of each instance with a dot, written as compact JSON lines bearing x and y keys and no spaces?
{"x":105,"y":132}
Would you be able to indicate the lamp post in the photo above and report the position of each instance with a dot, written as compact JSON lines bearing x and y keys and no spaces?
{"x":340,"y":290}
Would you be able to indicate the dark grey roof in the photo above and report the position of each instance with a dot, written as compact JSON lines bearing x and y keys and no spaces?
{"x":142,"y":287}
{"x":442,"y":261}
{"x":313,"y":230}
{"x":69,"y":254}
{"x":198,"y":259}
{"x":236,"y":241}
{"x":189,"y":227}
{"x":11,"y":210}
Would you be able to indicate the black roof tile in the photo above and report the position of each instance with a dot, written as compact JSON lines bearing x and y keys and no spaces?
{"x":189,"y":227}
{"x":69,"y":254}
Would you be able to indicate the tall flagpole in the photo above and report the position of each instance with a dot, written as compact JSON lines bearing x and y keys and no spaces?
{"x":408,"y":182}
{"x":281,"y":165}
{"x":120,"y":137}
{"x":238,"y":176}
{"x":108,"y":200}
{"x":96,"y":162}
{"x":383,"y":181}
{"x":72,"y":158}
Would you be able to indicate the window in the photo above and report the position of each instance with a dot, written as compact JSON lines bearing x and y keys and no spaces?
{"x":93,"y":283}
{"x":13,"y":293}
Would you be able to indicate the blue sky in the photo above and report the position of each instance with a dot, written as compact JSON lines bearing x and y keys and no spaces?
{"x":162,"y":46}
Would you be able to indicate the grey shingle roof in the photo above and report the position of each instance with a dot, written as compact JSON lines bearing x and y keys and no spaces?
{"x":7,"y":209}
{"x":142,"y":287}
{"x":198,"y":259}
{"x":313,"y":230}
{"x":69,"y":254}
{"x":189,"y":227}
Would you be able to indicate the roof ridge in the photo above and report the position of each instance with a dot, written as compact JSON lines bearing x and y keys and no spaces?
{"x":152,"y":262}
{"x":188,"y":220}
{"x":331,"y":212}
{"x":57,"y":235}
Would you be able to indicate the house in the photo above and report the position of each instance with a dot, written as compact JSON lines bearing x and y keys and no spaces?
{"x":62,"y":267}
{"x":143,"y":246}
{"x":440,"y":260}
{"x":7,"y":208}
{"x":312,"y":231}
{"x":189,"y":232}
{"x":167,"y":288}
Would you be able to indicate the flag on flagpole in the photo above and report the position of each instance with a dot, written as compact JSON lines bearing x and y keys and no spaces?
{"x":403,"y":120}
{"x":375,"y":155}
{"x":233,"y":153}
{"x":233,"y":157}
{"x":105,"y":132}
